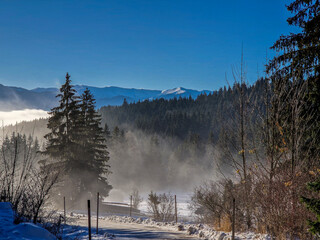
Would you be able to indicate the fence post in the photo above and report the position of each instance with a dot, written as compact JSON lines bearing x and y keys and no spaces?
{"x":97,"y":212}
{"x":233,"y":217}
{"x":64,"y":209}
{"x":89,"y":220}
{"x":130,"y":205}
{"x":60,"y":222}
{"x":175,"y":207}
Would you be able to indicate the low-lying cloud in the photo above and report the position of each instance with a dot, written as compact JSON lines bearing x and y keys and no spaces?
{"x":13,"y":117}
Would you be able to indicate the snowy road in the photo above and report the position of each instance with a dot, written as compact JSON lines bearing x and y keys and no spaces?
{"x":130,"y":231}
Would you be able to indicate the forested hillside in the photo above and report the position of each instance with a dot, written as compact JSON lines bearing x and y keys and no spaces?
{"x":205,"y":116}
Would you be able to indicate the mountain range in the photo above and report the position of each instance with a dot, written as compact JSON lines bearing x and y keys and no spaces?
{"x":16,"y":98}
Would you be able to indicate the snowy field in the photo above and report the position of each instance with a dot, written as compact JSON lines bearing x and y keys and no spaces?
{"x":183,"y":201}
{"x":182,"y":205}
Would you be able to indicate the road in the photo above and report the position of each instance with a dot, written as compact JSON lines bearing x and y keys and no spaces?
{"x":131,"y":231}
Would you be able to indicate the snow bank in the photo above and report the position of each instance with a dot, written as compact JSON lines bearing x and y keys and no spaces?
{"x":199,"y":230}
{"x":25,"y":231}
{"x":80,"y":233}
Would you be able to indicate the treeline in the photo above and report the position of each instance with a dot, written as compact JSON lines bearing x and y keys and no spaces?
{"x":205,"y":116}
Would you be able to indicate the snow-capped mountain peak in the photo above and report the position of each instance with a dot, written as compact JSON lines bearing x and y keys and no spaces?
{"x":178,"y":90}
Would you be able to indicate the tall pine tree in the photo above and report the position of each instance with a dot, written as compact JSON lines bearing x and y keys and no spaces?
{"x":299,"y":58}
{"x":77,"y":146}
{"x":94,"y":150}
{"x":61,"y":139}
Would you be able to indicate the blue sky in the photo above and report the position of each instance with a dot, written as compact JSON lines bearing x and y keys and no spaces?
{"x":153,"y":44}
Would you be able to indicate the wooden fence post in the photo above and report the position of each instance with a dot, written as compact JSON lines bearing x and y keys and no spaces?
{"x":233,"y":217}
{"x":64,"y":209}
{"x":97,"y":212}
{"x":89,"y":220}
{"x":175,"y":207}
{"x":130,"y":205}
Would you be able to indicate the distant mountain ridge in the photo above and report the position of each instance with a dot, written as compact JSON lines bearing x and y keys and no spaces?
{"x":15,"y":98}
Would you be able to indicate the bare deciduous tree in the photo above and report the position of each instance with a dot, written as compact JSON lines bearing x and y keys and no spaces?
{"x":161,"y":206}
{"x":23,"y":182}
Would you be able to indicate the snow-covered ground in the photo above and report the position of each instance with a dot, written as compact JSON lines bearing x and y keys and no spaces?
{"x":113,"y":227}
{"x":184,"y":212}
{"x":197,"y":230}
{"x":121,"y":228}
{"x":139,"y":228}
{"x":22,"y":231}
{"x":124,"y":227}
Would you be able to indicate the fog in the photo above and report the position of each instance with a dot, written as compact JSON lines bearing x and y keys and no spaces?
{"x":139,"y":160}
{"x":148,"y":162}
{"x":13,"y":117}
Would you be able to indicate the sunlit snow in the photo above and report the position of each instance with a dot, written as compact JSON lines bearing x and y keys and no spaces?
{"x":178,"y":90}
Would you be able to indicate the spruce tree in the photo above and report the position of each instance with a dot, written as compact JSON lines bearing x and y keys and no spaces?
{"x":62,"y":140}
{"x":300,"y":51}
{"x":299,"y":58}
{"x":116,"y":135}
{"x":94,"y":156}
{"x":76,"y":143}
{"x":107,"y":133}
